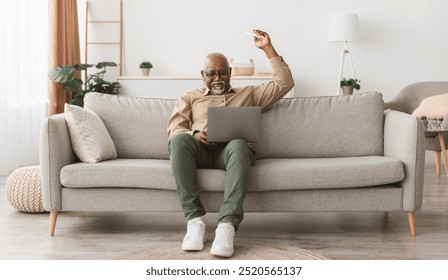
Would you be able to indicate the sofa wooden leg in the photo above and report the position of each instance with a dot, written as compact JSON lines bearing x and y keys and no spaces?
{"x":411,"y":220}
{"x":53,"y":218}
{"x":437,"y":157}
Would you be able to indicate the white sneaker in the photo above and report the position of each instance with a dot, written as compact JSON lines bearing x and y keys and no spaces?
{"x":223,"y":244}
{"x":195,"y":237}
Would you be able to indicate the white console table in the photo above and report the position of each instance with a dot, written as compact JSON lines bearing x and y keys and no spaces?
{"x":173,"y":87}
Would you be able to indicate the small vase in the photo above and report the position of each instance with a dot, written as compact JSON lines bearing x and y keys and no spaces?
{"x":347,"y":90}
{"x":145,"y":71}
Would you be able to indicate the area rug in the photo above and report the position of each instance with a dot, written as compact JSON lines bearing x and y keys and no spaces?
{"x":244,"y":250}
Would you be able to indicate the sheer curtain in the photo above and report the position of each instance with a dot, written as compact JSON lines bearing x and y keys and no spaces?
{"x":23,"y":80}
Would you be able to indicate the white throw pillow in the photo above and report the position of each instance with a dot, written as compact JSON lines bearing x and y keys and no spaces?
{"x":433,"y":107}
{"x":90,"y":139}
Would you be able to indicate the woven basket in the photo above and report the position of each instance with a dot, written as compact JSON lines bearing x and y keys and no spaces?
{"x":23,"y":189}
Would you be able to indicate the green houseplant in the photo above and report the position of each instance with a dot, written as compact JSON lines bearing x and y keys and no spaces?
{"x":94,"y":83}
{"x":348,"y":84}
{"x":145,"y":66}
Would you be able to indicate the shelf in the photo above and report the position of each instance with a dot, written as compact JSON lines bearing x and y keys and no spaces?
{"x":255,"y":77}
{"x":175,"y":86}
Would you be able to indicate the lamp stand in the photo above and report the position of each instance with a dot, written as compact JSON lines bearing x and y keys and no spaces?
{"x":344,"y":52}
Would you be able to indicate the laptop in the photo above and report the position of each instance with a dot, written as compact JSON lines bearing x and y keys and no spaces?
{"x":227,"y":123}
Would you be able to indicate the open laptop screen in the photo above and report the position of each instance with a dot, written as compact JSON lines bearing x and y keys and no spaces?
{"x":227,"y":123}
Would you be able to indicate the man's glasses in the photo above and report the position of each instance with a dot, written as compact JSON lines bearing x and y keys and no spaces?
{"x":213,"y":74}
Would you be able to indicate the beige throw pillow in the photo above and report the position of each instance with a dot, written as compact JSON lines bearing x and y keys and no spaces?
{"x":433,"y":107}
{"x":90,"y":139}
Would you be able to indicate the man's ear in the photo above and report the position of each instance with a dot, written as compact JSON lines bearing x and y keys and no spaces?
{"x":202,"y":74}
{"x":230,"y":71}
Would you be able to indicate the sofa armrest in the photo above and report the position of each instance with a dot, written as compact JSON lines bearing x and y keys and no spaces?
{"x":404,"y":139}
{"x":55,"y":151}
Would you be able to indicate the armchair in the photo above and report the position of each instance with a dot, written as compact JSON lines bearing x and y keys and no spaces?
{"x":408,"y":99}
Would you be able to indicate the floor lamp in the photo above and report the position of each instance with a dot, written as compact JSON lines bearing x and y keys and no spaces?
{"x":344,"y":28}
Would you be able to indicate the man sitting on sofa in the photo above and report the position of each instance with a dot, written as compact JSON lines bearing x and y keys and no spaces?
{"x":189,"y":148}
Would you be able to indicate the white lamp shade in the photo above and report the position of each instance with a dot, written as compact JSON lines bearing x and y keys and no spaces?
{"x":344,"y":27}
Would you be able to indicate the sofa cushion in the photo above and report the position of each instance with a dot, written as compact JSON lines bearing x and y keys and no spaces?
{"x":89,"y":137}
{"x":325,"y":126}
{"x":137,"y":125}
{"x":326,"y":173}
{"x":433,"y":107}
{"x":266,"y":175}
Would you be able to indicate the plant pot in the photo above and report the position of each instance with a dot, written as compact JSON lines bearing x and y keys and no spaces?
{"x":145,"y":71}
{"x":347,"y":90}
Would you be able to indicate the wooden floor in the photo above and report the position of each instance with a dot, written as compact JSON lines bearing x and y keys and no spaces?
{"x":364,"y":236}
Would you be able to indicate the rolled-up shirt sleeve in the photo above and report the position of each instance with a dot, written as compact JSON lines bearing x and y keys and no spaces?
{"x":180,"y":120}
{"x":282,"y":82}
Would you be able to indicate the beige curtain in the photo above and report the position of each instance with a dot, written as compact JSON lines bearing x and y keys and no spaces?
{"x":63,"y":47}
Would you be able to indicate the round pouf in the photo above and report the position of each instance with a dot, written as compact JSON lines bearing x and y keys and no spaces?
{"x":24,"y":191}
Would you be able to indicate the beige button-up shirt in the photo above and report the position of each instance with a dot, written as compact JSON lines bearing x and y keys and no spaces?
{"x":190,"y":112}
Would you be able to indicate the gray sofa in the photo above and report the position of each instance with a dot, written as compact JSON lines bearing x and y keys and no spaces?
{"x":335,"y":153}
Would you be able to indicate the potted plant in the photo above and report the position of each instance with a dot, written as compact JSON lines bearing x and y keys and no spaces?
{"x":78,"y":88}
{"x":145,"y":66}
{"x":348,"y":84}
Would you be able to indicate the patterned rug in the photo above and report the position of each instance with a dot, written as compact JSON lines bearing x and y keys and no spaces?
{"x":244,"y":250}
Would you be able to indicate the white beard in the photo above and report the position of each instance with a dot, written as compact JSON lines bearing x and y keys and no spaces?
{"x":218,"y":87}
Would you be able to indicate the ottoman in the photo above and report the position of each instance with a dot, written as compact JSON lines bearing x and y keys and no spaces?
{"x":23,"y":189}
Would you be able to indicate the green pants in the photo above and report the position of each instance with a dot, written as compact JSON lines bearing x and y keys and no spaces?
{"x":236,"y":157}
